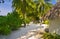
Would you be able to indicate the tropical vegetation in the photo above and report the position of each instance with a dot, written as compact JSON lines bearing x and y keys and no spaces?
{"x":24,"y":11}
{"x":10,"y":22}
{"x":51,"y":36}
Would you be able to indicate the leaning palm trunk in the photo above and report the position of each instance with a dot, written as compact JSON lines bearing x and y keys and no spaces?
{"x":24,"y":17}
{"x":24,"y":11}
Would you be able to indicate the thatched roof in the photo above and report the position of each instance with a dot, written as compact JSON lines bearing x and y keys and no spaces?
{"x":54,"y":12}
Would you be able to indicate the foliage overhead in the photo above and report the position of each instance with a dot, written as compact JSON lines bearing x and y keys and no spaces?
{"x":30,"y":8}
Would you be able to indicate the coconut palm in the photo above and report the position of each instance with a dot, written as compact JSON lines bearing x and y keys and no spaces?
{"x":30,"y":8}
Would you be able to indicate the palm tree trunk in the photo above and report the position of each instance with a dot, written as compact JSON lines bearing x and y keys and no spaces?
{"x":24,"y":17}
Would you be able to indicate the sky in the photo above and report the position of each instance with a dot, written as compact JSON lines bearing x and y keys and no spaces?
{"x":7,"y":6}
{"x":53,"y":1}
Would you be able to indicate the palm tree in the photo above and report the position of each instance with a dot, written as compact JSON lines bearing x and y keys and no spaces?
{"x":42,"y":8}
{"x":30,"y":8}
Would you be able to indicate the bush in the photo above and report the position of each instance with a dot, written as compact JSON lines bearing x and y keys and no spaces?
{"x":10,"y":22}
{"x":5,"y":30}
{"x":14,"y":21}
{"x":51,"y":36}
{"x":46,"y":21}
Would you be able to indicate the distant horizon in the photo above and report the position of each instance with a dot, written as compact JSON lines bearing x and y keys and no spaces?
{"x":7,"y":7}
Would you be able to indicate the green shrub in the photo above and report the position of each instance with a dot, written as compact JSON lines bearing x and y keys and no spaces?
{"x":10,"y":22}
{"x":14,"y":22}
{"x":46,"y":21}
{"x":51,"y":36}
{"x":5,"y":30}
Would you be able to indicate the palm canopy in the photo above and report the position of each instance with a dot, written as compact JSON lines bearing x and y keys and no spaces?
{"x":31,"y":8}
